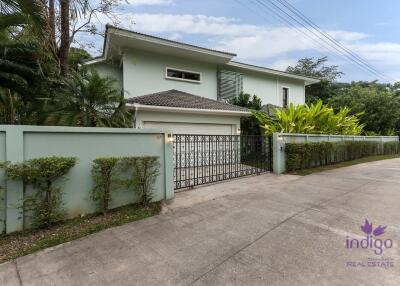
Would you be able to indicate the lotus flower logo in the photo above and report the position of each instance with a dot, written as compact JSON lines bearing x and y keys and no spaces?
{"x":367,"y":229}
{"x":371,"y":240}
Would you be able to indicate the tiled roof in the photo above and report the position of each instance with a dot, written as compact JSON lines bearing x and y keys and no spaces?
{"x":167,"y":40}
{"x":176,"y":98}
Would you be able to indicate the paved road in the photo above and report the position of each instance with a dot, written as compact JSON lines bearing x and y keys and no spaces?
{"x":263,"y":230}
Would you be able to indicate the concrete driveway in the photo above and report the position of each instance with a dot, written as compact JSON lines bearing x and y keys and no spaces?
{"x":261,"y":230}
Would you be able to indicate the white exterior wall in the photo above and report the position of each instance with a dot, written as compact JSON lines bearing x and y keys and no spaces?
{"x":144,"y":73}
{"x":183,"y":118}
{"x":269,"y":88}
{"x":110,"y":70}
{"x":296,"y":90}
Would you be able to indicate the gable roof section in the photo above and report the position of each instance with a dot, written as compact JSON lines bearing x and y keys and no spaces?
{"x":243,"y":66}
{"x":117,"y":40}
{"x":123,"y":39}
{"x":182,"y":100}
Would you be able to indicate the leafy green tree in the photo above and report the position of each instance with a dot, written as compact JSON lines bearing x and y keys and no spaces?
{"x":77,"y":57}
{"x":379,"y":105}
{"x":316,"y":118}
{"x":27,"y":67}
{"x":318,"y":68}
{"x":248,"y":125}
{"x":89,"y":100}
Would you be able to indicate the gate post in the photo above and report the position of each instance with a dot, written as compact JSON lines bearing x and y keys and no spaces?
{"x":169,"y":166}
{"x":278,"y":154}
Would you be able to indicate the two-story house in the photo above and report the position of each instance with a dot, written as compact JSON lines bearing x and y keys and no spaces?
{"x":184,"y":88}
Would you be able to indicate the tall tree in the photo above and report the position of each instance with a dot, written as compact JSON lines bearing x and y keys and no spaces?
{"x":64,"y":40}
{"x":378,"y":103}
{"x":75,"y":16}
{"x":318,"y":68}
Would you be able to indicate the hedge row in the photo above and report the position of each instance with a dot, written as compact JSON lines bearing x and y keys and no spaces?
{"x":308,"y":155}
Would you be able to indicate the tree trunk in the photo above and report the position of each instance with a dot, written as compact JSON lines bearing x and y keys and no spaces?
{"x":52,"y":23}
{"x":64,"y":46}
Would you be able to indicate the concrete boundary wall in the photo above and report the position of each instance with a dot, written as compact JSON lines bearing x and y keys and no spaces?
{"x":280,"y":139}
{"x":20,"y":143}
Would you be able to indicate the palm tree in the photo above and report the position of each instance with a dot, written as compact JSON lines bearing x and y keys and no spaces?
{"x":21,"y":53}
{"x":89,"y":100}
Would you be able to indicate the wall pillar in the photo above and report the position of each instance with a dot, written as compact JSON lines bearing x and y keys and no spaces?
{"x":169,"y":166}
{"x":14,"y":189}
{"x":278,"y":154}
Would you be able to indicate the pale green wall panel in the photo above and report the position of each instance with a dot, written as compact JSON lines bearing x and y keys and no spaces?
{"x":186,"y":117}
{"x":144,"y":73}
{"x":265,"y":87}
{"x":87,"y":144}
{"x":110,"y":70}
{"x":296,"y":91}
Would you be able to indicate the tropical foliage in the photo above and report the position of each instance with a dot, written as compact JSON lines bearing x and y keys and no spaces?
{"x":315,"y":118}
{"x":379,"y":105}
{"x":36,"y":85}
{"x":88,"y":100}
{"x":248,"y":125}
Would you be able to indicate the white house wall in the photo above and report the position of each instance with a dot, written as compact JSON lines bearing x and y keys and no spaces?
{"x":262,"y":86}
{"x":110,"y":70}
{"x":296,"y":90}
{"x":175,"y":117}
{"x":269,"y":87}
{"x":144,"y":73}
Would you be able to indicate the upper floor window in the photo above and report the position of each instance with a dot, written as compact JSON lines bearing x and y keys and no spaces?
{"x":285,"y":97}
{"x":177,"y":74}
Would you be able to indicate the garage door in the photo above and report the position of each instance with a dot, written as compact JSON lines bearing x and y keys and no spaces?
{"x":190,"y":128}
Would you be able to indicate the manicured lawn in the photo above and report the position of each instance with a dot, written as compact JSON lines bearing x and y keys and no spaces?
{"x":305,"y":172}
{"x":26,"y":242}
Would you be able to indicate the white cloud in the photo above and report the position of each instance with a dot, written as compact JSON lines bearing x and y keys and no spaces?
{"x":256,"y":43}
{"x":149,"y":2}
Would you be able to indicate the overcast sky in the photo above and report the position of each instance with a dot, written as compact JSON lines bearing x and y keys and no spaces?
{"x":369,"y":28}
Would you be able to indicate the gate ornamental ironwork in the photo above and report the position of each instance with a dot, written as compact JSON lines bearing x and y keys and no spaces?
{"x":203,"y":159}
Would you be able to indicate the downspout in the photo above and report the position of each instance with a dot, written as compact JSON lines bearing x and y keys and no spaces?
{"x":135,"y":116}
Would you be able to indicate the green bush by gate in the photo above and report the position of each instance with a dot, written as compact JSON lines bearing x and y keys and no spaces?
{"x":292,"y":151}
{"x":308,"y":155}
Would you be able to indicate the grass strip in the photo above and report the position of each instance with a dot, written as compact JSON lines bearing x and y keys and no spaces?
{"x":309,"y":171}
{"x":28,"y":241}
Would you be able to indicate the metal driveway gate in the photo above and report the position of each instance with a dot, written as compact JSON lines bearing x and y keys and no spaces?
{"x":203,"y":159}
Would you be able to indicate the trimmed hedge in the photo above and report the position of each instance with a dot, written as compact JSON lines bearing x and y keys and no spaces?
{"x":308,"y":155}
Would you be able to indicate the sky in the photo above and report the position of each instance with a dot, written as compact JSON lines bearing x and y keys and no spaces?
{"x":371,"y":29}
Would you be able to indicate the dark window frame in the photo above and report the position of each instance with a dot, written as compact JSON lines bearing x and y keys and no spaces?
{"x":285,"y":96}
{"x":182,"y":75}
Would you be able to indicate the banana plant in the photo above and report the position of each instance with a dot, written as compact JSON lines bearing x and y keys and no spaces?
{"x":316,"y":118}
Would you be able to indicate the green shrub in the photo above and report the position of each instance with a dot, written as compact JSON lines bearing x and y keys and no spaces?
{"x":142,"y":174}
{"x":392,"y":148}
{"x":307,"y":155}
{"x":103,"y":173}
{"x":316,"y":118}
{"x":46,"y":200}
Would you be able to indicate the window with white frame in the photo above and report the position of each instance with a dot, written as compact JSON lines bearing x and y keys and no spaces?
{"x":285,"y":97}
{"x":184,"y":75}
